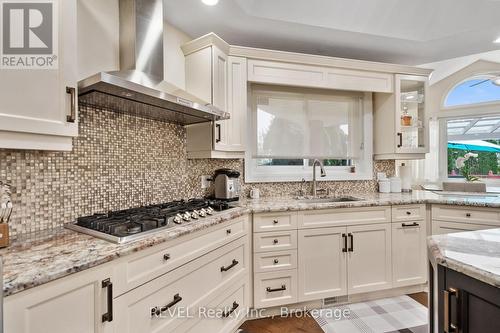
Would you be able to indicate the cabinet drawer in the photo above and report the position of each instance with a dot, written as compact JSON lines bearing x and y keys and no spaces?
{"x":344,"y":216}
{"x":148,"y":265}
{"x":466,"y":214}
{"x":274,"y":261}
{"x":187,"y":286}
{"x":274,"y":221}
{"x":230,"y":309}
{"x":275,"y":288}
{"x":408,"y":213}
{"x":445,"y":227}
{"x":275,"y":241}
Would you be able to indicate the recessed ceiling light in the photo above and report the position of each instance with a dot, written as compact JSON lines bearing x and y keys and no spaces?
{"x":497,"y":40}
{"x":210,"y":2}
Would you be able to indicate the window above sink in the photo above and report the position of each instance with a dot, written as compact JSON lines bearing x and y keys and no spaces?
{"x":290,"y":127}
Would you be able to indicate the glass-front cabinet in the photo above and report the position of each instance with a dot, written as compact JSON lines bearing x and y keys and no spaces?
{"x":411,"y":126}
{"x":401,"y":120}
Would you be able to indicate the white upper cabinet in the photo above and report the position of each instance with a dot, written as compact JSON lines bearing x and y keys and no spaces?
{"x":282,"y":73}
{"x":206,"y":69}
{"x":38,"y":108}
{"x":221,"y":80}
{"x":401,"y":128}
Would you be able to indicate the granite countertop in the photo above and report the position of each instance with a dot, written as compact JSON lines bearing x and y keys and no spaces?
{"x":375,"y":199}
{"x":473,"y":253}
{"x":41,"y":257}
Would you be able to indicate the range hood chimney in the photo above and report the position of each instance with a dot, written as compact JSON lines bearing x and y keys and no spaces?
{"x":139,"y":88}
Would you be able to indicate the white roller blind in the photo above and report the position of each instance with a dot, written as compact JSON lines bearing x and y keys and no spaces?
{"x":316,"y":124}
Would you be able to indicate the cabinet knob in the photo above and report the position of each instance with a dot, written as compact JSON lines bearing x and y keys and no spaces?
{"x":408,"y":213}
{"x":276,"y":261}
{"x":275,"y":241}
{"x":166,"y":256}
{"x":275,"y":221}
{"x":468,"y":215}
{"x":228,"y":231}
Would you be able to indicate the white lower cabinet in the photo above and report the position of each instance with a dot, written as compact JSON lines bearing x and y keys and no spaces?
{"x":445,"y":227}
{"x":275,"y":288}
{"x":451,"y":219}
{"x":339,"y":252}
{"x":369,"y":258}
{"x":322,"y":265}
{"x":77,"y":304}
{"x":172,"y":299}
{"x":222,"y":315}
{"x":409,"y":253}
{"x":211,"y":273}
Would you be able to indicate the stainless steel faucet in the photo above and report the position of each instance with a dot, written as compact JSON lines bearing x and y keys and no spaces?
{"x":323,"y":174}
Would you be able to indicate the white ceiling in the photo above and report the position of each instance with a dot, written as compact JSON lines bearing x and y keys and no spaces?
{"x":399,"y":31}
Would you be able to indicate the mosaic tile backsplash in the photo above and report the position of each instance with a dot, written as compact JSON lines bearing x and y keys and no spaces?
{"x":117,"y":162}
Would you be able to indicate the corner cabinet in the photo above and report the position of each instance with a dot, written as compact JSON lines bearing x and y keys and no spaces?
{"x":80,"y":303}
{"x":221,"y":80}
{"x":401,"y":128}
{"x":39,"y":106}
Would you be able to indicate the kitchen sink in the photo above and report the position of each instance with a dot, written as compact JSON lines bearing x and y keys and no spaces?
{"x":327,"y":200}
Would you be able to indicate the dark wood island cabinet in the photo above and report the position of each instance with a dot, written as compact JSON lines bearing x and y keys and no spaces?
{"x":465,"y":305}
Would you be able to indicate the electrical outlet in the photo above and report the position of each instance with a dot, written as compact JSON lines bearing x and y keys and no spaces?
{"x":205,"y":181}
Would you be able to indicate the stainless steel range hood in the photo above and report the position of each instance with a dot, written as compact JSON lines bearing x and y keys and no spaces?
{"x":139,"y":88}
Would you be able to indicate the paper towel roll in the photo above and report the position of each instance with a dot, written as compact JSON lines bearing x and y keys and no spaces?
{"x":405,"y":175}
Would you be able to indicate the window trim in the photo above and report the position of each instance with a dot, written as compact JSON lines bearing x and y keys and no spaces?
{"x":445,"y":113}
{"x":443,"y":151}
{"x":364,"y":171}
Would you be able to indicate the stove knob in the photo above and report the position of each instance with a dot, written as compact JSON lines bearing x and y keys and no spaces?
{"x":202,"y":212}
{"x":178,"y":219}
{"x":210,"y":210}
{"x":194,"y":215}
{"x":186,"y":216}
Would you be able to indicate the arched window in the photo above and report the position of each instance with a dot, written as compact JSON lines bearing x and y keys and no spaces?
{"x":476,"y":90}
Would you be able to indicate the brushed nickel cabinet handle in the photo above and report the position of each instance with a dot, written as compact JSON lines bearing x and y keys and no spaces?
{"x":72,"y":116}
{"x":449,"y":327}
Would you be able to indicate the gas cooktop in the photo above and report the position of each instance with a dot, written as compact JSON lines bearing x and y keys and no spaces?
{"x":126,"y":225}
